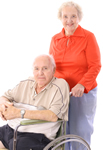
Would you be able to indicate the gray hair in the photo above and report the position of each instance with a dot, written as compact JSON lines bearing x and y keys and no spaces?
{"x":52,"y":61}
{"x":50,"y":58}
{"x":70,"y":3}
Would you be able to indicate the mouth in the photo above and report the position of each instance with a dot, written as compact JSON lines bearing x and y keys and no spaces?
{"x":71,"y":24}
{"x":41,"y":78}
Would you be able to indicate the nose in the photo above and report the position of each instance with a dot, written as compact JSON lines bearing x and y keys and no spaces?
{"x":40,"y":72}
{"x":69,"y":19}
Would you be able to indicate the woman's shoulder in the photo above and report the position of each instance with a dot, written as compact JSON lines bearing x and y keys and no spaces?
{"x":87,"y":32}
{"x":58,"y":35}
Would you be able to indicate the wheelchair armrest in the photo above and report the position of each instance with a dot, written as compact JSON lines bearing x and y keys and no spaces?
{"x":30,"y":122}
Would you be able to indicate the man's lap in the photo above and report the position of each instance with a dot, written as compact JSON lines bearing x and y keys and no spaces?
{"x":24,"y":140}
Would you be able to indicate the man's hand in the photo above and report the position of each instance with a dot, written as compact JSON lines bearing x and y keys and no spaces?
{"x":78,"y":90}
{"x":4,"y":102}
{"x":10,"y":112}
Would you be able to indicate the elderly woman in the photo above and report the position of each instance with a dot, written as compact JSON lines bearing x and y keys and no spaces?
{"x":77,"y":58}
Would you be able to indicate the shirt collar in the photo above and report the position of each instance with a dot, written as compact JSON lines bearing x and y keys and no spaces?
{"x":78,"y":32}
{"x":50,"y":83}
{"x":47,"y":86}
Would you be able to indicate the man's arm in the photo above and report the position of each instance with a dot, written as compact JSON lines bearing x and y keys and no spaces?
{"x":3,"y":100}
{"x":42,"y":115}
{"x":12,"y":112}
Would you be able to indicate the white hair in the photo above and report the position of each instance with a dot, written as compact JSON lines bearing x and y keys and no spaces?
{"x":70,"y":3}
{"x":50,"y":58}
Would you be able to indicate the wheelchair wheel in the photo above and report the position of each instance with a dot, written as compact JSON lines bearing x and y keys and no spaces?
{"x":75,"y":143}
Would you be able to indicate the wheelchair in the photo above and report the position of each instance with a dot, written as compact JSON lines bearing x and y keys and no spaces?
{"x":61,"y":138}
{"x":59,"y":142}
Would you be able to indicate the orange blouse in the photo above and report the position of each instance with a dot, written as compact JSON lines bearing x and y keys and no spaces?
{"x":79,"y":60}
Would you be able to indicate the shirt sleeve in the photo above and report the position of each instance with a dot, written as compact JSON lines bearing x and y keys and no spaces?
{"x":51,"y":46}
{"x":10,"y":94}
{"x":60,"y":101}
{"x":94,"y":62}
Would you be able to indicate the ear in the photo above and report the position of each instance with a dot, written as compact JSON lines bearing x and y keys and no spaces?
{"x":54,"y":70}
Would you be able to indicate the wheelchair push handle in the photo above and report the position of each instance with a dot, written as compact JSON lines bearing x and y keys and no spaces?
{"x":70,"y":93}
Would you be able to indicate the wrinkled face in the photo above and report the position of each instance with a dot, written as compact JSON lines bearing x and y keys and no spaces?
{"x":69,"y":19}
{"x":43,"y":71}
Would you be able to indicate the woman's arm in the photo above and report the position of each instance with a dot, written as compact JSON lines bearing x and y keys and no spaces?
{"x":93,"y":58}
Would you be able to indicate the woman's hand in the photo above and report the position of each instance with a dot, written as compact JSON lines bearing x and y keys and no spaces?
{"x":78,"y":90}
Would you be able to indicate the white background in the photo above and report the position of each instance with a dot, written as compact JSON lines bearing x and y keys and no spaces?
{"x":26,"y":28}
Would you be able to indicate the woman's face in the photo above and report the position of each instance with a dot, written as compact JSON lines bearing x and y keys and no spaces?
{"x":69,"y":19}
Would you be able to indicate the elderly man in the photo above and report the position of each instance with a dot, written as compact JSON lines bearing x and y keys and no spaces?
{"x":42,"y":97}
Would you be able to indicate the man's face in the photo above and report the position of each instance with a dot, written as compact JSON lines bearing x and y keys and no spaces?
{"x":43,"y":71}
